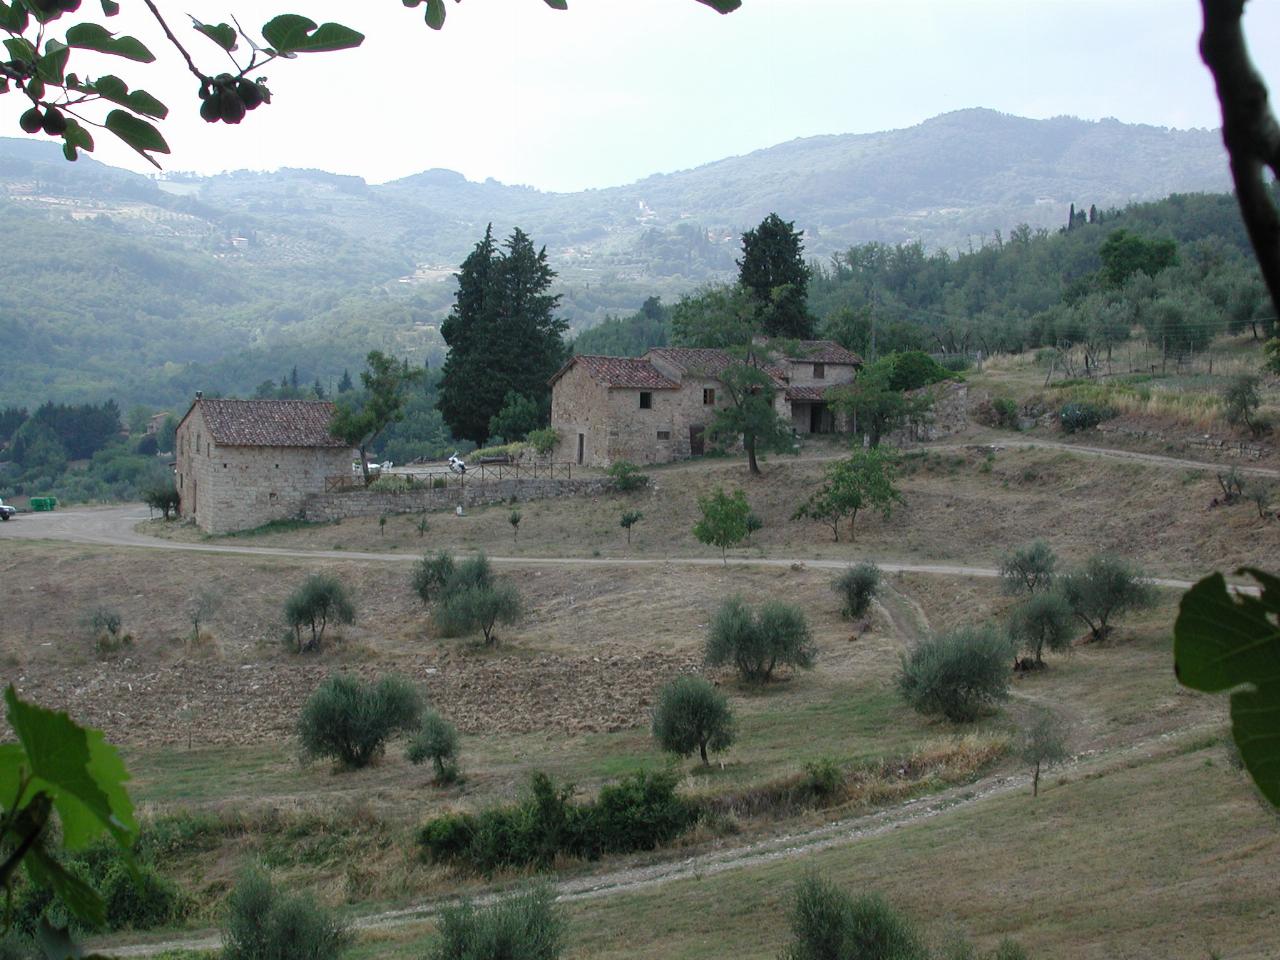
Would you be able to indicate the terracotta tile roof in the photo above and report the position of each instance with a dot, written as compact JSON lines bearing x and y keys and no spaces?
{"x":269,"y":423}
{"x":625,"y":372}
{"x":807,"y":394}
{"x":824,"y":351}
{"x":706,"y":360}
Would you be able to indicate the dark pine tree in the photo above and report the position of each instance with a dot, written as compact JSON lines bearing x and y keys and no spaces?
{"x":773,"y":271}
{"x":501,"y":334}
{"x":345,"y":383}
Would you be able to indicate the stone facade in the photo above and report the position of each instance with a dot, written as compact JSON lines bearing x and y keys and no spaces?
{"x":226,"y":484}
{"x":328,"y":507}
{"x":659,"y":407}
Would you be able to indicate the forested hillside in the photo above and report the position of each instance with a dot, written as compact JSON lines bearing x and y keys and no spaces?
{"x":146,"y":290}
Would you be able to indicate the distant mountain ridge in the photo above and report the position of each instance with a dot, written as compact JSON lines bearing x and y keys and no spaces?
{"x":282,"y":261}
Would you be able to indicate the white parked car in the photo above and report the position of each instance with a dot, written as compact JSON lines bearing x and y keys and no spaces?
{"x":7,"y":511}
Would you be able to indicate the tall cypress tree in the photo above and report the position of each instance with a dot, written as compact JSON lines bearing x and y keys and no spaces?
{"x":501,"y":334}
{"x":773,"y":270}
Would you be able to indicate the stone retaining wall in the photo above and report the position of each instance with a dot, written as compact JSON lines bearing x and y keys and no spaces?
{"x":327,"y":507}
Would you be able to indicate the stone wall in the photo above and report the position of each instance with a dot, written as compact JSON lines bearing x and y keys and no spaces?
{"x":949,"y":415}
{"x":579,"y":407}
{"x":327,"y":507}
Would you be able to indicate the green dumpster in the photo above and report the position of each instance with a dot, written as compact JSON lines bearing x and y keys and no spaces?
{"x":41,"y":504}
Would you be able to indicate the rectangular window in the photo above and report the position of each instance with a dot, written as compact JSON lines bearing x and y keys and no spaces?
{"x":819,"y":371}
{"x":664,"y":434}
{"x":646,"y":400}
{"x":708,"y":396}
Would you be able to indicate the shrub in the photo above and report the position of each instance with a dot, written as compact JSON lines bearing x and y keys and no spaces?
{"x":105,"y":628}
{"x":1105,"y":588}
{"x":753,"y":523}
{"x":164,"y":498}
{"x":320,"y":599}
{"x":1083,"y":416}
{"x":629,"y":519}
{"x":472,"y":572}
{"x":437,"y":741}
{"x":525,"y":925}
{"x":350,"y":720}
{"x":828,"y":924}
{"x":823,"y":777}
{"x":439,"y":483}
{"x":263,"y":924}
{"x":692,"y":715}
{"x":392,"y":483}
{"x":999,"y":412}
{"x":957,"y":674}
{"x":466,"y":610}
{"x":857,"y":587}
{"x":640,"y":812}
{"x":1028,"y":569}
{"x":544,"y":441}
{"x":1241,"y":397}
{"x":914,"y":369}
{"x":756,"y":643}
{"x":1041,"y":620}
{"x":430,"y":574}
{"x":14,"y":946}
{"x":142,"y":903}
{"x":626,"y":476}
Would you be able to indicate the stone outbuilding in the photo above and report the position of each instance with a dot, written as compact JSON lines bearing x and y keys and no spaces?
{"x":243,"y":463}
{"x":658,"y":408}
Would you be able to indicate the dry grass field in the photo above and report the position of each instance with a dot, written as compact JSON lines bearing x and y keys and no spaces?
{"x":1159,"y":850}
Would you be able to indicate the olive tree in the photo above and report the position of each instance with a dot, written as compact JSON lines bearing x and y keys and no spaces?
{"x":436,"y":740}
{"x":350,"y":720}
{"x":479,"y":607}
{"x":1029,"y":568}
{"x":1042,"y":620}
{"x":430,"y":574}
{"x":1043,"y":745}
{"x":1105,"y":588}
{"x":959,"y":674}
{"x":320,"y":599}
{"x":758,"y":642}
{"x":690,"y":715}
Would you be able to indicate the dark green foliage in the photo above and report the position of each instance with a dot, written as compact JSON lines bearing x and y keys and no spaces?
{"x":464,"y":609}
{"x":773,"y":270}
{"x":145,"y":903}
{"x":1241,"y":397}
{"x":437,"y":741}
{"x":863,"y":479}
{"x":959,"y":674}
{"x":640,"y":812}
{"x":518,"y":417}
{"x":544,"y":440}
{"x":1124,"y":254}
{"x":350,"y":720}
{"x":857,"y":587}
{"x":163,"y":498}
{"x":1043,"y":744}
{"x":823,"y":777}
{"x":631,"y":336}
{"x":430,"y":574}
{"x":1028,"y":569}
{"x":874,"y":405}
{"x":828,"y":924}
{"x":521,"y":926}
{"x":361,"y":420}
{"x":14,"y":946}
{"x":629,"y":519}
{"x":1083,"y":416}
{"x":262,"y":923}
{"x":1041,"y":621}
{"x":1105,"y":588}
{"x":320,"y":599}
{"x":691,"y":714}
{"x":724,"y":520}
{"x":914,"y":369}
{"x":626,"y":476}
{"x":758,"y":642}
{"x":750,"y":416}
{"x":501,"y":334}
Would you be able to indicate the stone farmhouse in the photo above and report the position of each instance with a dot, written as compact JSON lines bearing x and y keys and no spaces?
{"x":658,"y":408}
{"x":243,"y":463}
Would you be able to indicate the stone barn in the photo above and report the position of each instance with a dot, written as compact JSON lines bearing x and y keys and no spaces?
{"x":658,"y":408}
{"x":243,"y":463}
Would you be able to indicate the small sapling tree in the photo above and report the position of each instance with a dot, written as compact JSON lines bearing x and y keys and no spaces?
{"x":1103,"y":589}
{"x":692,"y":715}
{"x":430,"y":574}
{"x":754,"y":525}
{"x":320,"y":600}
{"x":724,"y":520}
{"x":1039,"y":622}
{"x":864,"y":479}
{"x":382,"y":525}
{"x":629,"y":519}
{"x":514,"y":519}
{"x":437,"y":741}
{"x":758,"y":642}
{"x":202,"y":605}
{"x":1260,"y":496}
{"x":857,"y":587}
{"x":1043,"y":745}
{"x":422,"y":526}
{"x":1028,"y":569}
{"x":958,"y":674}
{"x":350,"y":720}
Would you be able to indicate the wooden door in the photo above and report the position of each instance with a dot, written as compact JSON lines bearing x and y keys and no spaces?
{"x":697,"y":445}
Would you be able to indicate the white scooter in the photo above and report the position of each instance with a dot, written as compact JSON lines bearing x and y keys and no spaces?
{"x":456,"y":464}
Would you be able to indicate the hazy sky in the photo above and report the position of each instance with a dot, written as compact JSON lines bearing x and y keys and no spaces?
{"x":614,"y":90}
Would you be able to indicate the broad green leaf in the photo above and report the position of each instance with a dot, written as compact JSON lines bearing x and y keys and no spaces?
{"x":291,"y":33}
{"x":722,"y":6}
{"x":78,"y":769}
{"x":80,"y":898}
{"x":75,"y":136}
{"x":557,"y":4}
{"x":13,"y":760}
{"x":20,"y":48}
{"x":137,"y":133}
{"x":110,"y":8}
{"x":117,"y":91}
{"x":223,"y":34}
{"x":93,"y":36}
{"x":1223,"y":642}
{"x":435,"y":14}
{"x":13,"y":17}
{"x":52,"y":66}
